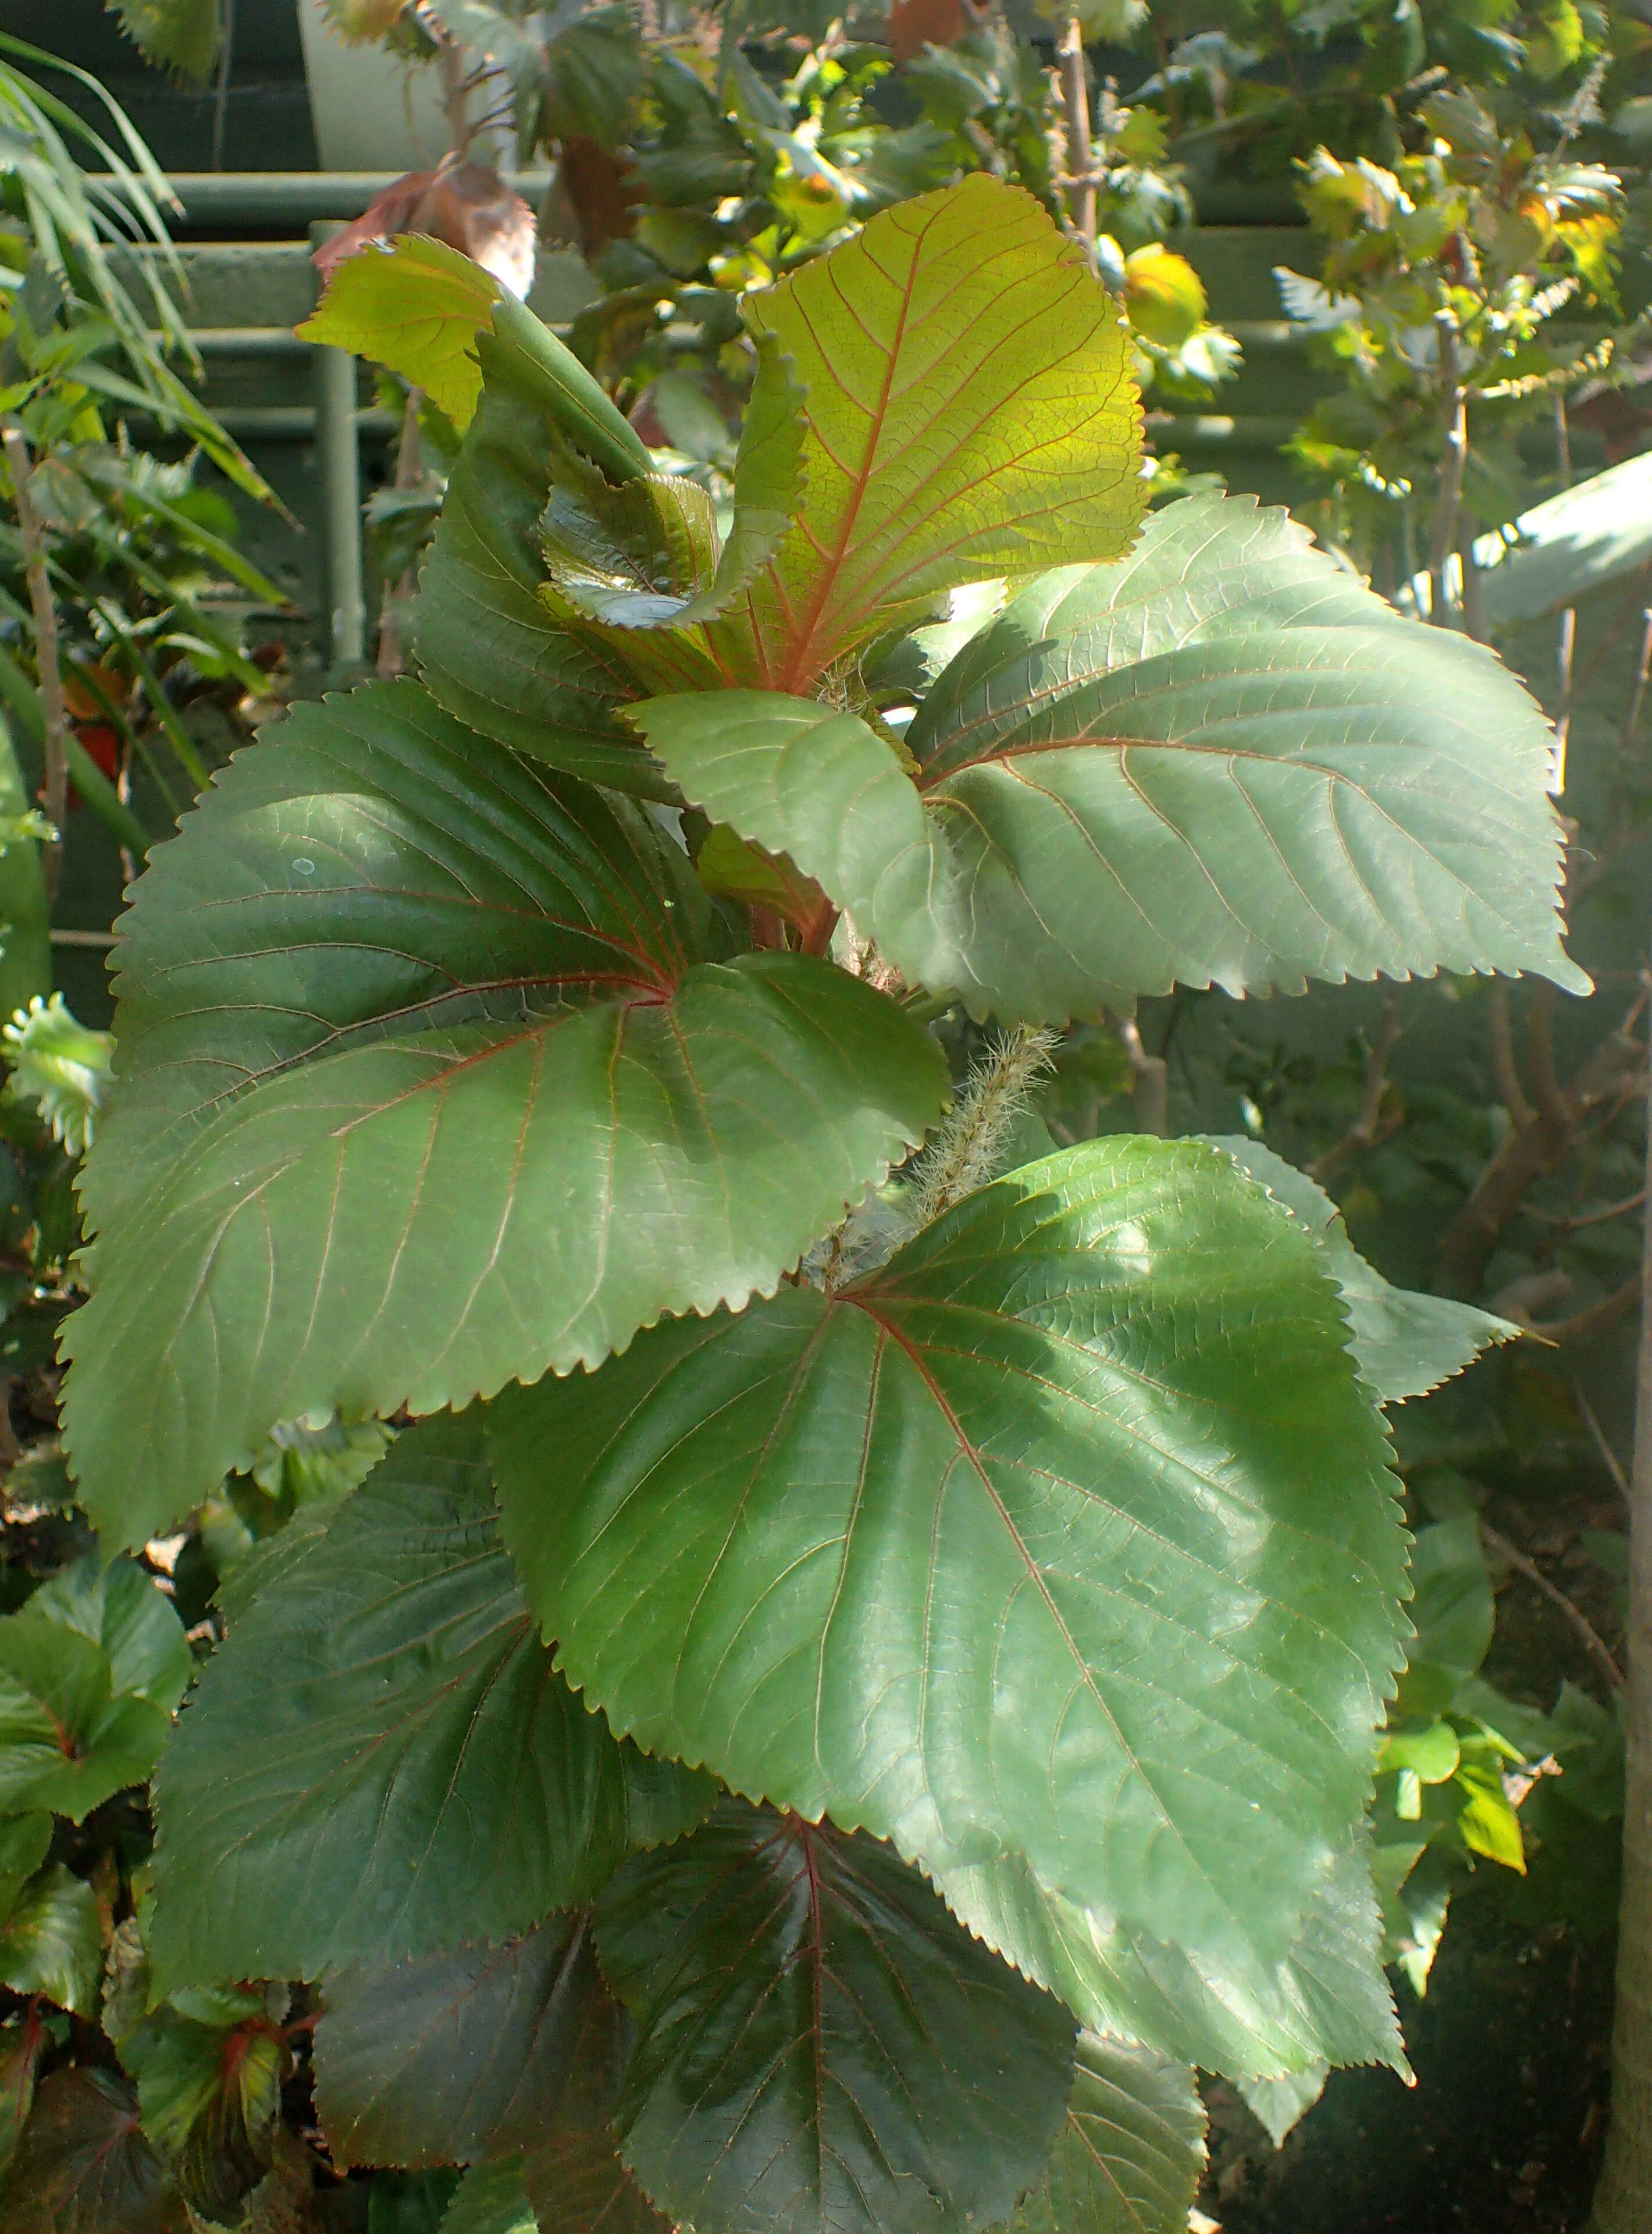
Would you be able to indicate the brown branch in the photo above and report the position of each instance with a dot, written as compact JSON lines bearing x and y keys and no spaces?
{"x":1620,"y":1480}
{"x":1584,"y":1325}
{"x":1364,"y":1131}
{"x":1500,"y":1547}
{"x":1504,"y":1070}
{"x":1455,"y":413}
{"x":53,"y":708}
{"x":1552,"y":1105}
{"x":1149,"y":1093}
{"x":1528,"y":1152}
{"x":1075,"y":101}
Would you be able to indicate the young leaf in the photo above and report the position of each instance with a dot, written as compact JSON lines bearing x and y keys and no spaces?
{"x":1221,"y":761}
{"x":1130,"y":2149}
{"x":1405,"y":1342}
{"x":453,"y":2057}
{"x":970,"y":414}
{"x":818,"y":2042}
{"x":83,"y":2167}
{"x":433,"y":1076}
{"x":52,"y":1941}
{"x":1067,"y":1534}
{"x":417,"y":308}
{"x":1325,"y":1999}
{"x":380,"y":1760}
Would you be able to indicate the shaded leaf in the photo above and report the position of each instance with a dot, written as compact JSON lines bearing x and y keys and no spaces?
{"x":431,"y":1076}
{"x":970,"y":413}
{"x":23,"y":1841}
{"x":52,"y":1941}
{"x":1405,"y":1342}
{"x":491,"y":2198}
{"x":83,"y":2167}
{"x":66,"y":1741}
{"x":1279,"y":2104}
{"x":381,"y":1760}
{"x":581,"y":2186}
{"x":453,"y":2056}
{"x":122,"y":1610}
{"x":1067,"y":1533}
{"x":818,"y":2043}
{"x":21,"y":2042}
{"x":1220,"y":761}
{"x":1130,"y":2151}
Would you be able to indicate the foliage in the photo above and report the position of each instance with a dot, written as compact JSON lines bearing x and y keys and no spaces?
{"x":983,"y":1590}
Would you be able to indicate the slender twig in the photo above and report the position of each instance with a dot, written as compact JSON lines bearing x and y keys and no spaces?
{"x":1075,"y":101}
{"x":221,"y":97}
{"x":1620,"y":1480}
{"x":1563,"y":655}
{"x":1504,"y":1070}
{"x":1362,"y":1133}
{"x":1500,"y":1547}
{"x":1454,"y":411}
{"x":1552,"y":1105}
{"x":1584,"y":1325}
{"x":53,"y":709}
{"x":1564,"y":1223}
{"x":1150,"y":1092}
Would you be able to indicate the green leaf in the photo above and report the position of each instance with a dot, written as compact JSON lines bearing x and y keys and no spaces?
{"x":455,"y":2056}
{"x":192,"y":2075}
{"x":490,"y":649}
{"x":23,"y":1842}
{"x":1278,"y":2103}
{"x":380,"y":1761}
{"x":1220,"y":761}
{"x":174,"y":35}
{"x":83,"y":2167}
{"x":1130,"y":2149}
{"x":52,"y":1941}
{"x":432,"y":1076}
{"x":970,"y":414}
{"x":1430,"y":1754}
{"x":123,"y":1612}
{"x":67,"y":1742}
{"x":1324,"y":2000}
{"x":647,"y":554}
{"x":416,"y":307}
{"x":25,"y":954}
{"x":1067,"y":1533}
{"x":1405,"y":1342}
{"x":818,"y":2043}
{"x":491,"y":2199}
{"x":1454,"y":1613}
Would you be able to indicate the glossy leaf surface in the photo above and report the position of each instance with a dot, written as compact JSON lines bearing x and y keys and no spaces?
{"x":432,"y":1075}
{"x":83,"y":2166}
{"x":818,"y":2043}
{"x":1220,"y":762}
{"x":1405,"y":1342}
{"x":381,"y":1762}
{"x":1068,"y":1534}
{"x":1130,"y":2151}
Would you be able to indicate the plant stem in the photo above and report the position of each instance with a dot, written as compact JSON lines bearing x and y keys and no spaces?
{"x":398,"y":596}
{"x":1454,"y":405}
{"x":54,"y":711}
{"x":1623,"y":2200}
{"x":1075,"y":101}
{"x":1150,"y":1095}
{"x":1594,"y":1643}
{"x":1362,"y":1133}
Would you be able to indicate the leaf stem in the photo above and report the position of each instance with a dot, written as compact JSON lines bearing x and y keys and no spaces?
{"x":53,"y":706}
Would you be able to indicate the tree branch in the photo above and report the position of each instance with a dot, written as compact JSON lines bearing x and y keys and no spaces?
{"x":1593,"y":1644}
{"x":1075,"y":101}
{"x":1363,"y":1131}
